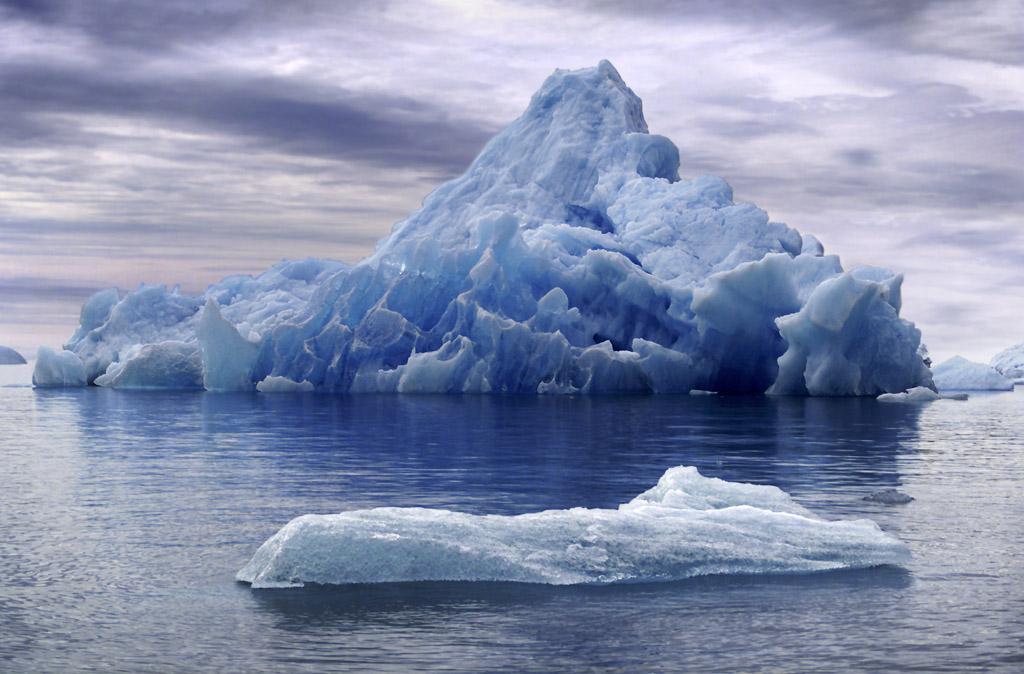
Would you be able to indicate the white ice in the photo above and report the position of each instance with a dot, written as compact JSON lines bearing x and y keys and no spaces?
{"x":960,"y":374}
{"x":918,"y":394}
{"x":283,"y":385}
{"x":570,"y":257}
{"x":688,"y":525}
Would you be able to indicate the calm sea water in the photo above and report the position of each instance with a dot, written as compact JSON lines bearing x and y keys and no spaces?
{"x":124,"y":517}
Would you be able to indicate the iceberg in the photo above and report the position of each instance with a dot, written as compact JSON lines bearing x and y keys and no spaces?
{"x":56,"y":369}
{"x":1010,"y":363}
{"x":9,"y":356}
{"x":960,"y":374}
{"x":687,"y":525}
{"x":570,"y":257}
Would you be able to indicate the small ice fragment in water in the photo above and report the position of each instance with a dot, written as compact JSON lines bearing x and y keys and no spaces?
{"x":889,"y":497}
{"x":918,"y":394}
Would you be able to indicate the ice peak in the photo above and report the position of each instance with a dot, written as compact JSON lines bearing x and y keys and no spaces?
{"x":590,"y":97}
{"x":581,"y":127}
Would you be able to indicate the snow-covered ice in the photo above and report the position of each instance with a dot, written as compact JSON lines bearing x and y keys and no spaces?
{"x":570,"y":257}
{"x":1010,"y":362}
{"x":918,"y":394}
{"x":687,"y":525}
{"x":57,"y":369}
{"x":960,"y":374}
{"x":9,"y":356}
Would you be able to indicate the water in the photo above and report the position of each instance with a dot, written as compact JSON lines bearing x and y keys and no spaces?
{"x":124,"y":517}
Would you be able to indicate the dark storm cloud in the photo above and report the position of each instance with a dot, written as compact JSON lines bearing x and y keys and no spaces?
{"x":278,"y":114}
{"x":149,"y":25}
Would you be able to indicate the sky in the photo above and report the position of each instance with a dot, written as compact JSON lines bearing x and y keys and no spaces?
{"x":179,"y":142}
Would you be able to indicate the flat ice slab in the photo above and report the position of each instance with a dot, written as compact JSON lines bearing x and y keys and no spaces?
{"x":687,"y":525}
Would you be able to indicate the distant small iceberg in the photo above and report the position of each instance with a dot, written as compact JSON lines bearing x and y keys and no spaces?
{"x":9,"y":356}
{"x":687,"y":525}
{"x":960,"y":374}
{"x":1010,"y":363}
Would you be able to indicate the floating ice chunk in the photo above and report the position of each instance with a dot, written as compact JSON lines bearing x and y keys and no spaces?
{"x":960,"y":374}
{"x":57,"y":369}
{"x":889,"y":497}
{"x":283,"y":385}
{"x":164,"y":365}
{"x":1010,"y":363}
{"x":228,"y":358}
{"x":918,"y":394}
{"x":688,"y":525}
{"x":698,"y":392}
{"x":9,"y":356}
{"x":954,"y":396}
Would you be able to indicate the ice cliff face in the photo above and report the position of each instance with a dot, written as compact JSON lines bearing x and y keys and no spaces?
{"x":570,"y":257}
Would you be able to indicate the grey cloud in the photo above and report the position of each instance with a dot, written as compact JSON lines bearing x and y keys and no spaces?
{"x":859,"y":156}
{"x":752,"y":127}
{"x":916,"y":26}
{"x":279,"y":114}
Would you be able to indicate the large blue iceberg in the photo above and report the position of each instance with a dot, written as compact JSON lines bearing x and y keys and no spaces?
{"x":687,"y":525}
{"x":569,"y":258}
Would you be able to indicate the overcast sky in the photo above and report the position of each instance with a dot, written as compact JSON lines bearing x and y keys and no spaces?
{"x":178,"y":142}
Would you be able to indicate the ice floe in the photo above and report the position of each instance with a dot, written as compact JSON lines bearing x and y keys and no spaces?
{"x":687,"y":525}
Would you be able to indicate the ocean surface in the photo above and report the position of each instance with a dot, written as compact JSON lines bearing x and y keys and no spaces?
{"x":125,"y":516}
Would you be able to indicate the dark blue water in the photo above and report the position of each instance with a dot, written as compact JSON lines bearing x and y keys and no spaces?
{"x":124,"y":517}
